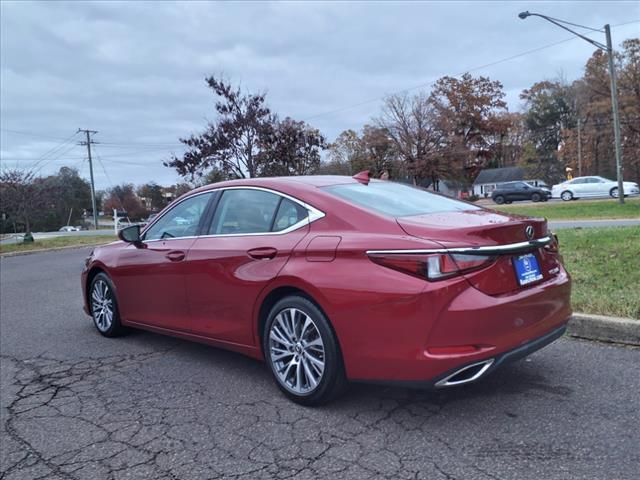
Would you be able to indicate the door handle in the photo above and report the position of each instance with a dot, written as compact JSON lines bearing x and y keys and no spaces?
{"x":175,"y":256}
{"x":263,"y":253}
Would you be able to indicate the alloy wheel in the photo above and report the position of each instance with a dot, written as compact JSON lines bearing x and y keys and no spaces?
{"x":102,"y":305}
{"x":296,"y":351}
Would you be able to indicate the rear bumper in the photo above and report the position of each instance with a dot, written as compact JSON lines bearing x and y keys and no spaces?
{"x":478,"y":369}
{"x":492,"y":363}
{"x":426,"y":342}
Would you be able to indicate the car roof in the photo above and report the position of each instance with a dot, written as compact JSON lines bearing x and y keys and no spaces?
{"x":305,"y":182}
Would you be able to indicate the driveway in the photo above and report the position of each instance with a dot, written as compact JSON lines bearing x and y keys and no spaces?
{"x":77,"y":405}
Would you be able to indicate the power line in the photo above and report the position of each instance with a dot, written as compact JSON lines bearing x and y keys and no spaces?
{"x":55,"y":152}
{"x":110,"y":144}
{"x":110,"y":182}
{"x":133,"y":144}
{"x":430,"y":84}
{"x":39,"y":165}
{"x":31,"y":134}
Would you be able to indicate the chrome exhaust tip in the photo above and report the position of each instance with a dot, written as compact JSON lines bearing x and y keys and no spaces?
{"x":467,"y":374}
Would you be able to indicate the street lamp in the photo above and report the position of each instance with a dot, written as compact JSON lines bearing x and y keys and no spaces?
{"x":614,"y":89}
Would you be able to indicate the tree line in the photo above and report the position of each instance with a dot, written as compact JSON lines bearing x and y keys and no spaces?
{"x":32,"y":203}
{"x":448,"y":133}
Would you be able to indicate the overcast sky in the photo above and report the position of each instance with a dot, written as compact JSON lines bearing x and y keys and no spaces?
{"x":135,"y":71}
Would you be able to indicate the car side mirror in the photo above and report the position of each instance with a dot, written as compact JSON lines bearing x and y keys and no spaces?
{"x":130,"y":234}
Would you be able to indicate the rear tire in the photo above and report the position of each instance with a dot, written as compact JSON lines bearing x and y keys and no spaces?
{"x":103,"y":306}
{"x":566,"y":196}
{"x":614,"y":192}
{"x":499,"y":199}
{"x":302,"y":352}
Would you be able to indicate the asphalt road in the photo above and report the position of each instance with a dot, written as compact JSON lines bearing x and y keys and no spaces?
{"x":77,"y":405}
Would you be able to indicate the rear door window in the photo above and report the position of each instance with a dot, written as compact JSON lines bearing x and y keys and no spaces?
{"x":242,"y":211}
{"x":289,"y":213}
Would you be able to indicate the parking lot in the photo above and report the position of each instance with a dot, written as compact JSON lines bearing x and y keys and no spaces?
{"x":77,"y":405}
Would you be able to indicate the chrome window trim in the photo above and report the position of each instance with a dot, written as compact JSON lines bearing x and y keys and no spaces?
{"x":492,"y":249}
{"x":314,"y":214}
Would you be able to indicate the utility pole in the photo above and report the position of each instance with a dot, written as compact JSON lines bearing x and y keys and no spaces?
{"x":614,"y":88}
{"x":616,"y":118}
{"x":579,"y":148}
{"x":93,"y":188}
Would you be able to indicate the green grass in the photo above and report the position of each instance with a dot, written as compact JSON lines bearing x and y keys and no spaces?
{"x":605,"y":266}
{"x":578,"y":209}
{"x":67,"y":241}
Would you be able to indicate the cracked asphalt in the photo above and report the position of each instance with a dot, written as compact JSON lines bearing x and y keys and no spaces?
{"x":75,"y":405}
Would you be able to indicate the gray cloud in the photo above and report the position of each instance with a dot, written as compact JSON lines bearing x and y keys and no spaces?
{"x":135,"y":71}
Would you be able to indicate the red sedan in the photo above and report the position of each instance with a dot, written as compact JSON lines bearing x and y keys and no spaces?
{"x":333,"y":278}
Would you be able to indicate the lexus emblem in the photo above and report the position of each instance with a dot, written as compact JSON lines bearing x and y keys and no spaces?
{"x":529,"y":232}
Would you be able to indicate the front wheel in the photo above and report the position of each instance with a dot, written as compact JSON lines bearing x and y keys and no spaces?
{"x":536,"y":197}
{"x":104,"y":306}
{"x":302,"y":352}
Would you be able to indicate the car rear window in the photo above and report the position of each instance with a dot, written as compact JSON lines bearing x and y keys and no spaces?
{"x":396,"y":199}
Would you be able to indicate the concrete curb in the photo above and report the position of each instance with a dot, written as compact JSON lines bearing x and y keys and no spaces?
{"x":605,"y":329}
{"x":53,"y":249}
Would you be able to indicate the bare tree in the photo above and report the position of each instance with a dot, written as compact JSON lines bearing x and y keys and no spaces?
{"x":413,"y":126}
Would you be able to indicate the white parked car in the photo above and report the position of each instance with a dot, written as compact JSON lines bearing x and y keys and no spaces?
{"x":69,"y":228}
{"x":581,"y":187}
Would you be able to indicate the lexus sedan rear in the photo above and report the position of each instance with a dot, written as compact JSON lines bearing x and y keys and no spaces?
{"x":333,"y":279}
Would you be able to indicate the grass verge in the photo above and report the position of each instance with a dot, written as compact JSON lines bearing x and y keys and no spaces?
{"x":579,"y":209}
{"x":605,"y":266}
{"x":67,"y":241}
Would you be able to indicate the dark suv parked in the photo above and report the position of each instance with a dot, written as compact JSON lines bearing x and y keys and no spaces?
{"x":514,"y":191}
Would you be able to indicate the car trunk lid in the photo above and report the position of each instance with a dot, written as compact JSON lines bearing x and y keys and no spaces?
{"x":478,"y":229}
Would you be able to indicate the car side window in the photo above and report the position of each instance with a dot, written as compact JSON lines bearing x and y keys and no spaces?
{"x":181,"y":221}
{"x":289,"y":213}
{"x":242,"y":211}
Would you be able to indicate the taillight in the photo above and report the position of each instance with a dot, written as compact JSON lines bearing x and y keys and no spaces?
{"x":553,"y":246}
{"x":433,"y":267}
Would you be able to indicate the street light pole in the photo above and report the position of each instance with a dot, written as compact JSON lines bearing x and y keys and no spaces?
{"x":614,"y":89}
